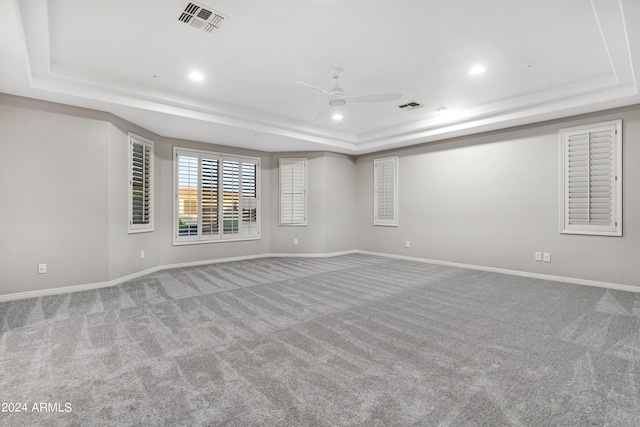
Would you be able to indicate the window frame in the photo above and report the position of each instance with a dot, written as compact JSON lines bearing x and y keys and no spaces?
{"x":199,"y":238}
{"x":393,"y":222}
{"x":294,"y":161}
{"x":131,"y":227}
{"x":614,"y":230}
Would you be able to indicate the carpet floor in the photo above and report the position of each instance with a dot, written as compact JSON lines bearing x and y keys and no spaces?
{"x":353,"y":340}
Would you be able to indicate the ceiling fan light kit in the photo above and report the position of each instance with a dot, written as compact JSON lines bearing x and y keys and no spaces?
{"x":337,"y":102}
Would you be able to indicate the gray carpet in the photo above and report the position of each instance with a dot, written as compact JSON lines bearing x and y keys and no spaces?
{"x":350,"y":340}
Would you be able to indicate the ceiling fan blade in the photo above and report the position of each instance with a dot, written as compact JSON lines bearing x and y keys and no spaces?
{"x":323,"y":111}
{"x":378,"y":97}
{"x":309,"y":86}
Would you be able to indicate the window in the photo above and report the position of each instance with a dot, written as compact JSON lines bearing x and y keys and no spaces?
{"x":591,"y":190}
{"x":216,"y":197}
{"x":140,"y":184}
{"x":385,"y":191}
{"x":293,"y":191}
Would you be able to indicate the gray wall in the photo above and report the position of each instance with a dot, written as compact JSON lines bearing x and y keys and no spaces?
{"x":330,"y":204}
{"x":54,"y":181}
{"x":124,"y":248}
{"x":488,"y":200}
{"x":63,"y":181}
{"x":340,"y":203}
{"x":493,"y":200}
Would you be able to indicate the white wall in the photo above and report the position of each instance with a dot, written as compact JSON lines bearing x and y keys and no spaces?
{"x":493,"y":200}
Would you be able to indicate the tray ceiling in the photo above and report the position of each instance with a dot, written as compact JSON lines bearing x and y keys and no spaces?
{"x":543,"y":60}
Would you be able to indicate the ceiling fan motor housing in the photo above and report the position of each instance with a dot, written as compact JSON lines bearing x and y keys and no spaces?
{"x":337,"y":94}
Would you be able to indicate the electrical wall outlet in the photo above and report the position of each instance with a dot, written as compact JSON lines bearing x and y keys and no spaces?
{"x":407,"y":244}
{"x":547,"y":257}
{"x":295,"y":241}
{"x":538,"y":256}
{"x":142,"y":254}
{"x":42,"y":268}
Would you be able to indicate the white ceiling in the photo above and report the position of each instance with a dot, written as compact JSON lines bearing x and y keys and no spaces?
{"x":544,"y":59}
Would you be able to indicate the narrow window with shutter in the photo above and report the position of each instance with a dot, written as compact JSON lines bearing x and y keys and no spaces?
{"x":140,"y":184}
{"x":209,"y":197}
{"x":591,"y":190}
{"x":188,"y":196}
{"x":249,"y":199}
{"x":230,"y":197}
{"x":293,"y":190}
{"x":385,"y":191}
{"x":216,"y":196}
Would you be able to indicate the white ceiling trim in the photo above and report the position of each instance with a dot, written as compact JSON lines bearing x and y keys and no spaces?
{"x":612,"y":98}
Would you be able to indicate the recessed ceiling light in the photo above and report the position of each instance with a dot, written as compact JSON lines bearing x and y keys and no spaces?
{"x":478,"y":69}
{"x":337,"y":117}
{"x":196,"y":76}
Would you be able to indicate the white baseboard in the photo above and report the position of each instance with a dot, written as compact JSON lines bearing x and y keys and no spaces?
{"x":54,"y":291}
{"x":89,"y":286}
{"x":563,"y":279}
{"x":211,"y":261}
{"x":312,"y":255}
{"x":114,"y":282}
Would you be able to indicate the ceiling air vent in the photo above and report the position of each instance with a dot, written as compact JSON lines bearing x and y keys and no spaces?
{"x":201,"y":17}
{"x":410,"y":106}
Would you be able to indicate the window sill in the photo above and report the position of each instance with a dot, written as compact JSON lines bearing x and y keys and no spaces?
{"x":202,"y":242}
{"x":141,"y":230}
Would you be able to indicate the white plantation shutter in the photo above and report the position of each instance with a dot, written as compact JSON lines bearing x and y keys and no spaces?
{"x":385,"y":191}
{"x":293,"y":189}
{"x":230,"y":197}
{"x":592,"y":179}
{"x":140,"y":184}
{"x":209,"y":197}
{"x":216,"y":197}
{"x":188,"y":209}
{"x":249,"y":200}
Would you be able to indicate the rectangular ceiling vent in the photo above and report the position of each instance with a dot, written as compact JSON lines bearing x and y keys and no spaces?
{"x":410,"y":106}
{"x":201,"y":17}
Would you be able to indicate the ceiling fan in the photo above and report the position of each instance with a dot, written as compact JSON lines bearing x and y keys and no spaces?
{"x":336,"y":97}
